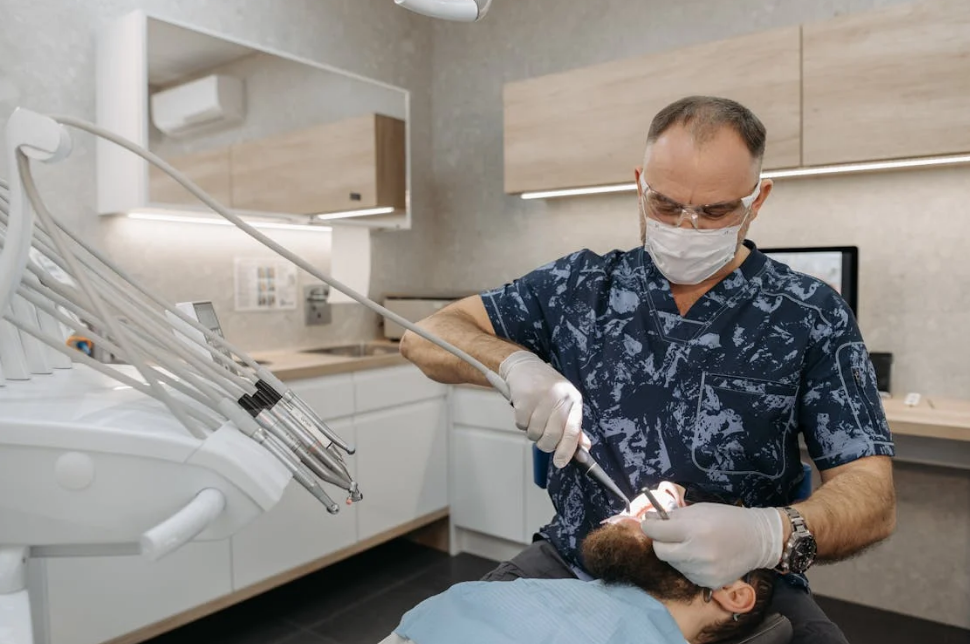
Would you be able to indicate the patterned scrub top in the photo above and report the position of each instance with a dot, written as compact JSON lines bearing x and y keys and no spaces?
{"x":713,"y":400}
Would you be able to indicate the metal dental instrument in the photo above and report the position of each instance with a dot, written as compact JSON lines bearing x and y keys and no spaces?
{"x":656,"y":505}
{"x":582,"y":457}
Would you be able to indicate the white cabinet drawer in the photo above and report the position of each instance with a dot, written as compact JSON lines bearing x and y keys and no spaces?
{"x":94,"y":599}
{"x":488,"y":482}
{"x":402,"y":465}
{"x":330,"y":396}
{"x":297,"y":530}
{"x":382,"y":388}
{"x":482,"y":408}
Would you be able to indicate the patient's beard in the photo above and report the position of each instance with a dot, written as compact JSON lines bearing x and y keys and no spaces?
{"x":622,"y":554}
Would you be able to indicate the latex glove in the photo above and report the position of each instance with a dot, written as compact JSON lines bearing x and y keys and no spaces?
{"x":713,"y":544}
{"x":547,"y":406}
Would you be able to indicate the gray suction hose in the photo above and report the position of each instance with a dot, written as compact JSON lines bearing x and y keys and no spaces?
{"x":582,"y":457}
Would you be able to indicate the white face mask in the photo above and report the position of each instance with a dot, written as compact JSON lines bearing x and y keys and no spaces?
{"x":689,"y":256}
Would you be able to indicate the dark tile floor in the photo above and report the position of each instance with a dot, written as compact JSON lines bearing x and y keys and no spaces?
{"x":361,"y":600}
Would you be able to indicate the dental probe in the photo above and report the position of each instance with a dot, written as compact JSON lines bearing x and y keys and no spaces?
{"x":582,"y":457}
{"x":656,"y":506}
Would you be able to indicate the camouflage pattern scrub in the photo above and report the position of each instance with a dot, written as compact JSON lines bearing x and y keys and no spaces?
{"x":713,"y":400}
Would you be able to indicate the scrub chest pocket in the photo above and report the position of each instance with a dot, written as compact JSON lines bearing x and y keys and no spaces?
{"x":742,"y":425}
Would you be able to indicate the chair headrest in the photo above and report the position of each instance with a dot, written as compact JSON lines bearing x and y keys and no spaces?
{"x":775,"y":629}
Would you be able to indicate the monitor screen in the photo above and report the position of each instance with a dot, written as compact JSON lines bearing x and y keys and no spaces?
{"x":837,"y":266}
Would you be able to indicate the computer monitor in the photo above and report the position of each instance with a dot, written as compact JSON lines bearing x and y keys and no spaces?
{"x":837,"y":266}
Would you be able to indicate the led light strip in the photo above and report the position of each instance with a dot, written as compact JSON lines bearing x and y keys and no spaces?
{"x":847,"y":168}
{"x":212,"y":221}
{"x":363,"y":212}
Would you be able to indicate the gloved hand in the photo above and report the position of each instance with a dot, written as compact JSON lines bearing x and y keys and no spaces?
{"x":547,"y":405}
{"x":713,"y":544}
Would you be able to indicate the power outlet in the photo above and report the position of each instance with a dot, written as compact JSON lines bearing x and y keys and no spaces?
{"x":316,"y":304}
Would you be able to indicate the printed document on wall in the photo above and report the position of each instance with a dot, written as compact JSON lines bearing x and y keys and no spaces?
{"x":264,"y":284}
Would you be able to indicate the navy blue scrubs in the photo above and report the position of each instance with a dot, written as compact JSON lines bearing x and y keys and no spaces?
{"x":714,"y":399}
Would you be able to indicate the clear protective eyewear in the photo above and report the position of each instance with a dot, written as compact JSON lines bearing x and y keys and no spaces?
{"x":706,"y":217}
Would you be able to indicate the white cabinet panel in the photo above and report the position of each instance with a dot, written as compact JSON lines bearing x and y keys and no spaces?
{"x":538,"y":506}
{"x":297,"y":530}
{"x":488,"y":480}
{"x":93,"y":599}
{"x":402,"y":465}
{"x":482,"y":408}
{"x":383,"y":388}
{"x":330,"y":396}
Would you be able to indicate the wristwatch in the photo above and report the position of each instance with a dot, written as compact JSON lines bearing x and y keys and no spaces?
{"x":799,"y":553}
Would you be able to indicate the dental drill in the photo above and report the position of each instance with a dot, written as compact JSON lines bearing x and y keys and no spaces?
{"x":249,"y":395}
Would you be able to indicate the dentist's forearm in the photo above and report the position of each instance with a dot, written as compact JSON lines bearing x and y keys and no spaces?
{"x":464,"y":331}
{"x":854,"y":508}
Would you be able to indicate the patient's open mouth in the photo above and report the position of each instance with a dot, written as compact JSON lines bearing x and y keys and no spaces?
{"x":669,"y":495}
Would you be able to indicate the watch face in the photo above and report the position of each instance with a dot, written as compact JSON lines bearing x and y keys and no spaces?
{"x":803,"y":555}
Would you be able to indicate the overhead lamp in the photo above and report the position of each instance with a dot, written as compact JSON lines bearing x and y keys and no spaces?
{"x":456,"y":10}
{"x":363,"y":212}
{"x":786,"y":173}
{"x":213,"y":221}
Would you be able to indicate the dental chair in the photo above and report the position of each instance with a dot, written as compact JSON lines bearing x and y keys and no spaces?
{"x":775,"y":629}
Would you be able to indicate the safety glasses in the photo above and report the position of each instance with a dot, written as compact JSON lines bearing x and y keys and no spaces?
{"x":706,"y":217}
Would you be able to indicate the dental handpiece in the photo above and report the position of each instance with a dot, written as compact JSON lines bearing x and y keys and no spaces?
{"x":585,"y":460}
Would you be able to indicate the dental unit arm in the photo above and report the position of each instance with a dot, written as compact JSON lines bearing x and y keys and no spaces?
{"x":179,"y":444}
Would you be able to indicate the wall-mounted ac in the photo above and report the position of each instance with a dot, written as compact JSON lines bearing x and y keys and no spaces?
{"x":209,"y":103}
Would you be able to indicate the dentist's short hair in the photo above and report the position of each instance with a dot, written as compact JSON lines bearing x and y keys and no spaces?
{"x":704,"y":116}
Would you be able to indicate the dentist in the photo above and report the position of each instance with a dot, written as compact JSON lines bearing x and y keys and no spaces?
{"x":692,"y":358}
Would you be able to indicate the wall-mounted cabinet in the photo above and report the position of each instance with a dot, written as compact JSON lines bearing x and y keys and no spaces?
{"x":353,"y":164}
{"x":340,"y":148}
{"x":888,"y":84}
{"x":588,"y":126}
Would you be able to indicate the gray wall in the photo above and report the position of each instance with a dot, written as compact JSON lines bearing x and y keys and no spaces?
{"x":914,"y":301}
{"x":47,"y":64}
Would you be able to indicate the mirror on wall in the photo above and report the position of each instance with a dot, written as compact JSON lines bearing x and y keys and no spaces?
{"x":267,"y":134}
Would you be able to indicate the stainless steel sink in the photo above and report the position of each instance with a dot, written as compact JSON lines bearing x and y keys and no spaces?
{"x":357,"y":350}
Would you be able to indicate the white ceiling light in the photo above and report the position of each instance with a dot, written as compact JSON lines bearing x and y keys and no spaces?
{"x":457,"y":10}
{"x":212,"y":221}
{"x":363,"y":212}
{"x":873,"y":166}
{"x":790,"y":173}
{"x":574,"y":192}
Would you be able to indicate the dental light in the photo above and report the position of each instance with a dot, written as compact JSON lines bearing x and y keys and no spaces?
{"x":456,"y":10}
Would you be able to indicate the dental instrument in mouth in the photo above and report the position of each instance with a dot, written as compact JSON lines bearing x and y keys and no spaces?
{"x":656,"y":505}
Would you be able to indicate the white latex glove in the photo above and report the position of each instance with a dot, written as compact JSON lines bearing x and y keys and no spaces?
{"x":547,"y":406}
{"x":713,"y":544}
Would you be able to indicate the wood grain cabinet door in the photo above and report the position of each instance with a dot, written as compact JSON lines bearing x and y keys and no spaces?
{"x":888,"y":84}
{"x":588,"y":126}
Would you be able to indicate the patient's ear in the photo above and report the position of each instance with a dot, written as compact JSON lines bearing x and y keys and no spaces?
{"x":738,"y":597}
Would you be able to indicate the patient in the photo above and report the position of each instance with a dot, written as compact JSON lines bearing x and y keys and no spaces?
{"x":636,"y":598}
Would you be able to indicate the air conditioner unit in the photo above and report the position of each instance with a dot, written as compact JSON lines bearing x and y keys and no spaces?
{"x":209,"y":103}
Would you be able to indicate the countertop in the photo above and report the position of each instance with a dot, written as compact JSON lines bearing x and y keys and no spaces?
{"x":932,"y":418}
{"x":294,"y":364}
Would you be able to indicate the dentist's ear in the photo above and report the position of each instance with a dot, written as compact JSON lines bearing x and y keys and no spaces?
{"x":766,"y":185}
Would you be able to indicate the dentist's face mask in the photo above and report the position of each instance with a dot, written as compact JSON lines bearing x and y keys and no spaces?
{"x":691,"y":255}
